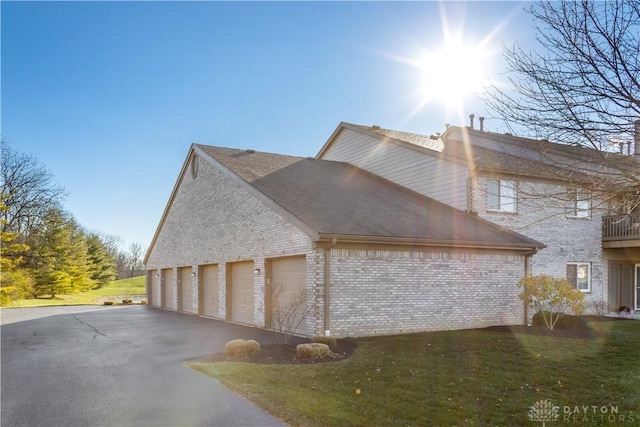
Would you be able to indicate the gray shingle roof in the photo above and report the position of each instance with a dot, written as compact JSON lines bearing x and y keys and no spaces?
{"x":336,"y":198}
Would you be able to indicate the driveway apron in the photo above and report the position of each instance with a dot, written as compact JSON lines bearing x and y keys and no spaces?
{"x":117,"y":366}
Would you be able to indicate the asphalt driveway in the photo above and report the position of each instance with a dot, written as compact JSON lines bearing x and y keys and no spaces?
{"x":117,"y":366}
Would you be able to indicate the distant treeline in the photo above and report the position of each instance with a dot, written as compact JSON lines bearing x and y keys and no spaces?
{"x":44,"y":251}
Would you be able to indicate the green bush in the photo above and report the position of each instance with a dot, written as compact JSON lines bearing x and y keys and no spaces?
{"x":241,"y":347}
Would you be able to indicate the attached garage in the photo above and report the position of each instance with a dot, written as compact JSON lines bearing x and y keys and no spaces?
{"x":168,"y":283}
{"x":240,"y":291}
{"x":186,"y":290}
{"x":208,"y":297}
{"x":358,"y":254}
{"x":286,"y":298}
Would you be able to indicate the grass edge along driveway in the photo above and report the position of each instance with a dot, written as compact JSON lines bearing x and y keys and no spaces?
{"x":468,"y":377}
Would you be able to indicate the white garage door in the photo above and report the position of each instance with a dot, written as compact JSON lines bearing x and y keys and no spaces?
{"x":186,"y":290}
{"x":168,"y":300}
{"x":156,"y":292}
{"x":209,"y":294}
{"x":288,"y":296}
{"x":240,"y":280}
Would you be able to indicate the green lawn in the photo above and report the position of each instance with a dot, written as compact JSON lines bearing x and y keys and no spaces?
{"x":117,"y":288}
{"x":472,"y":377}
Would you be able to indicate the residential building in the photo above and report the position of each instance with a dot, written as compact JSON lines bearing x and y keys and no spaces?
{"x":536,"y":188}
{"x":318,"y":247}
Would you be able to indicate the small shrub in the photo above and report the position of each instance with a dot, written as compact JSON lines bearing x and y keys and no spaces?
{"x":330,"y":340}
{"x":599,"y":307}
{"x":565,"y":321}
{"x":241,"y":347}
{"x":108,"y":303}
{"x":552,"y":296}
{"x":312,"y":350}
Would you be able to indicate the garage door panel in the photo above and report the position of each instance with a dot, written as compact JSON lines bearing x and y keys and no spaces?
{"x":241,"y":284}
{"x":154,"y":288}
{"x":210,"y":289}
{"x":186,"y":290}
{"x":168,"y":283}
{"x":288,"y":298}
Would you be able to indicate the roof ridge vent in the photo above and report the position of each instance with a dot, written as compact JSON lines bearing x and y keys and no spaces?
{"x":375,"y":127}
{"x":250,"y":150}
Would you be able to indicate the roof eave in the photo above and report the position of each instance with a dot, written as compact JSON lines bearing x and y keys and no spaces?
{"x":458,"y":244}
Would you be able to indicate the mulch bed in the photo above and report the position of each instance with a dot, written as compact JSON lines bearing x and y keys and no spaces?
{"x":284,"y":355}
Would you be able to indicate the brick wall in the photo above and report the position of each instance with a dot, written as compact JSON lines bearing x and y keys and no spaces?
{"x":541,"y":216}
{"x":377,"y":292}
{"x":215,"y":220}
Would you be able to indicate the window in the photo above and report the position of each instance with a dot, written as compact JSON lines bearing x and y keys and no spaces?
{"x":579,"y":274}
{"x":501,"y":195}
{"x":578,"y":203}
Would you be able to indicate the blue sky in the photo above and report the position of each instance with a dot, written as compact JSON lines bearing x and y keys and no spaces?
{"x":110,"y":95}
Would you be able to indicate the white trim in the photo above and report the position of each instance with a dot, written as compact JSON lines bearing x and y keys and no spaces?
{"x":507,"y":195}
{"x":588,"y":264}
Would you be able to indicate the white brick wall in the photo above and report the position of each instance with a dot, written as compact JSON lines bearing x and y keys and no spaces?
{"x":386,"y":292}
{"x":215,"y":220}
{"x":541,"y":216}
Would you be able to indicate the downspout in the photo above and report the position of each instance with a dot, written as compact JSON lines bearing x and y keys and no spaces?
{"x":527,"y":273}
{"x":327,"y":296}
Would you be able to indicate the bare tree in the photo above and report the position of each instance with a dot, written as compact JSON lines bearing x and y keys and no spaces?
{"x":288,"y":314}
{"x":113,"y":243}
{"x":134,"y":263}
{"x":583,"y":89}
{"x":27,"y":189}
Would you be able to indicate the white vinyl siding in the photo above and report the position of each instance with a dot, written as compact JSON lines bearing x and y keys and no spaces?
{"x":412,"y":168}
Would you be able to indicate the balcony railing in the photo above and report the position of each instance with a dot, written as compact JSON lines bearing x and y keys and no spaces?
{"x":621,"y":227}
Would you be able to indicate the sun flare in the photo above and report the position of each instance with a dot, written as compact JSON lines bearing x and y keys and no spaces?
{"x":452,"y":73}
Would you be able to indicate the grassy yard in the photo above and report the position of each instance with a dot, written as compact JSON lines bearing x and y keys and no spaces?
{"x":117,"y":288}
{"x":473,"y":377}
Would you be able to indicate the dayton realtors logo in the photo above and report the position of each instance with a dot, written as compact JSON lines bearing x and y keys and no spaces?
{"x":545,"y":411}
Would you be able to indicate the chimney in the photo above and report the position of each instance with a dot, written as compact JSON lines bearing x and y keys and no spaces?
{"x":636,"y":140}
{"x":481,"y":120}
{"x":471,"y":116}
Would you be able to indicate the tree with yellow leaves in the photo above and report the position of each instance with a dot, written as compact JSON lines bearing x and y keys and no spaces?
{"x":552,"y":296}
